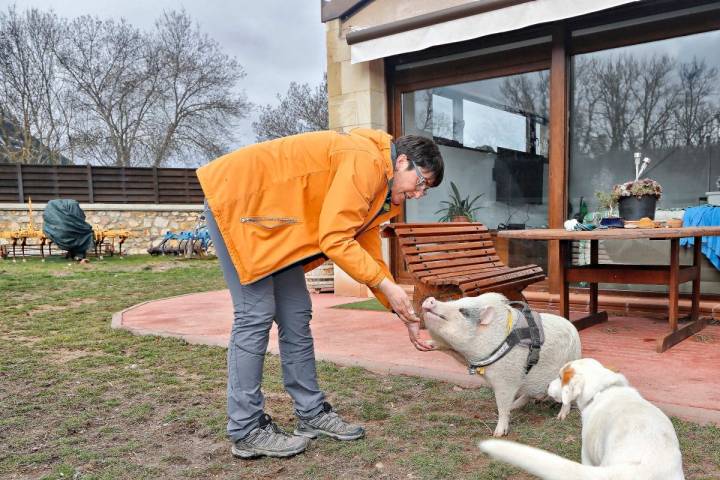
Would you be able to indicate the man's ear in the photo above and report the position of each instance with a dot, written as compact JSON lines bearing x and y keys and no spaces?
{"x":401,"y":162}
{"x":482,"y":314}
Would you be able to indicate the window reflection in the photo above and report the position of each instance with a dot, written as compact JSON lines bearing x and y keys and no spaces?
{"x":661,"y":99}
{"x":493,"y":135}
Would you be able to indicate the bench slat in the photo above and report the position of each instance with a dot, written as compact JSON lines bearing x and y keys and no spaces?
{"x":491,"y":262}
{"x":514,"y":285}
{"x":422,"y":232}
{"x":475,"y":276}
{"x":444,"y":247}
{"x":435,"y":256}
{"x":499,"y":279}
{"x":443,"y":238}
{"x":439,"y":278}
{"x":456,"y":261}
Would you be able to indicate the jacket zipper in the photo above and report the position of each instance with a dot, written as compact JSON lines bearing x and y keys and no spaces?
{"x":263,"y":221}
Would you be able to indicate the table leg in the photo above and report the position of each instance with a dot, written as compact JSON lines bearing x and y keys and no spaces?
{"x":676,"y":335}
{"x":674,"y":285}
{"x":593,"y":285}
{"x":594,"y":317}
{"x":565,"y":259}
{"x":695,"y":301}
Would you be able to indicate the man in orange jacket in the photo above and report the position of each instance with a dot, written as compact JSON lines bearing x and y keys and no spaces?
{"x":278,"y":209}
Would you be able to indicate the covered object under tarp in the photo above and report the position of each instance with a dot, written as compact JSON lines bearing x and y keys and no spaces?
{"x":64,"y":223}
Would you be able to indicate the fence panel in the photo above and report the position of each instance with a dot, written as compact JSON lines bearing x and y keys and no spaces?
{"x":9,"y":191}
{"x":88,"y":184}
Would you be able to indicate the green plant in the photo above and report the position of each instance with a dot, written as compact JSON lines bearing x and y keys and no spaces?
{"x":606,"y":202}
{"x":458,"y":206}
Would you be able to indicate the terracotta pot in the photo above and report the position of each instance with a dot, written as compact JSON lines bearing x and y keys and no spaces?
{"x":460,"y":218}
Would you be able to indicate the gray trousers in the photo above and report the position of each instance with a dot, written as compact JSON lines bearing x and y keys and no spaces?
{"x":283,"y":297}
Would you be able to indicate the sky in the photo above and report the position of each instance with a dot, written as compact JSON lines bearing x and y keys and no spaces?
{"x":276,"y":41}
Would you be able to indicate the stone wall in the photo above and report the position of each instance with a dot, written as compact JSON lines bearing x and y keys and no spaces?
{"x":147,"y":222}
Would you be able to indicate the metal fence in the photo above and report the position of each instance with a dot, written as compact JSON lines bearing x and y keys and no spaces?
{"x":89,"y":184}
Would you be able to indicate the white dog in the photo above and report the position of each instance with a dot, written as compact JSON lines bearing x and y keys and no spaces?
{"x":624,"y":437}
{"x":471,"y":328}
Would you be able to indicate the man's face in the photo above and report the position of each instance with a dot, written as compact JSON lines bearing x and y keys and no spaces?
{"x":408,"y":184}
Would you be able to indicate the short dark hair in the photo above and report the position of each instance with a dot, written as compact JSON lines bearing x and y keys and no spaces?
{"x":424,"y":153}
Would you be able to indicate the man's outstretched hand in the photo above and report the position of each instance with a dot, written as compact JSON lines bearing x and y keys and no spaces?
{"x":401,"y":305}
{"x":414,"y":333}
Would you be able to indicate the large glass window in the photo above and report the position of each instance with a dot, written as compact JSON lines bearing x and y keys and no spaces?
{"x":493,"y":135}
{"x":662,"y":100}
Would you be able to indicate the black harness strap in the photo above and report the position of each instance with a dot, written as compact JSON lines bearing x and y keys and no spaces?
{"x":515,"y":337}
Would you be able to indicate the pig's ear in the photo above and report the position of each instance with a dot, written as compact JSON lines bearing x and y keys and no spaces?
{"x":482,"y":314}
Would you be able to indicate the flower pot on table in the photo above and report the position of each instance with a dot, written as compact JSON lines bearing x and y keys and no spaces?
{"x":635,"y":208}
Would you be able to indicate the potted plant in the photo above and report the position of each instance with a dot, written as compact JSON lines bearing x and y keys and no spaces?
{"x":606,"y":204}
{"x":458,"y":209}
{"x":637,"y":198}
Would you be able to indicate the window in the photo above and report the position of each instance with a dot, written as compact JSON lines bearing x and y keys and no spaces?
{"x":661,"y":99}
{"x":493,"y":135}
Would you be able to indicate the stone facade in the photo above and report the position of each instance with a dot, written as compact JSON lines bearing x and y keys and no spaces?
{"x":356,"y":98}
{"x":147,"y":222}
{"x":356,"y":93}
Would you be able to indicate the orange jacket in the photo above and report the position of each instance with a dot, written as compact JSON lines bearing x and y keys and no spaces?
{"x":304,"y":198}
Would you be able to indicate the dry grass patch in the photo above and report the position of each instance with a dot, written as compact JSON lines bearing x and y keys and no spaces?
{"x":80,"y":400}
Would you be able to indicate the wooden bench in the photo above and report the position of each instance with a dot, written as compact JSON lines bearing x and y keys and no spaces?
{"x":454,"y":260}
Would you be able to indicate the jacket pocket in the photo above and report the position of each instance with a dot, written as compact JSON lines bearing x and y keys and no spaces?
{"x":269,"y":223}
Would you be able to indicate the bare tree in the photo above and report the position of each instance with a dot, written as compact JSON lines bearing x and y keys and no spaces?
{"x":35,"y":118}
{"x":528,"y":95}
{"x":197,"y":104}
{"x":114,"y":69}
{"x":528,"y":92}
{"x":585,"y":99}
{"x":656,"y":97}
{"x":695,"y":113}
{"x":615,"y":80}
{"x":302,"y":109}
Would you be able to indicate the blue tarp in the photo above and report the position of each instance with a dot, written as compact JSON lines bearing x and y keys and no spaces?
{"x":704,"y":216}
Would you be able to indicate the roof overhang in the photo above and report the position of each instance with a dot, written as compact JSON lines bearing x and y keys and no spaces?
{"x":464,"y":22}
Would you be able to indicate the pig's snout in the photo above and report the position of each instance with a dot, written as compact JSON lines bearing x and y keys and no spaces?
{"x":429,"y":304}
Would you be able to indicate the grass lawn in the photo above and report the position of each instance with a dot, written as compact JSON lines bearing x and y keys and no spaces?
{"x":79,"y":400}
{"x":370,"y":304}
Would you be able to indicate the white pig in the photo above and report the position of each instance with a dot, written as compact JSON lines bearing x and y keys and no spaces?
{"x":474,"y":327}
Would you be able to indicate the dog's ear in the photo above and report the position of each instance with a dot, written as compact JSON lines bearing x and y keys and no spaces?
{"x":572,"y":386}
{"x":482,"y":314}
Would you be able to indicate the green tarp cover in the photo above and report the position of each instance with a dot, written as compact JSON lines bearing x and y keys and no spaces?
{"x":64,"y":223}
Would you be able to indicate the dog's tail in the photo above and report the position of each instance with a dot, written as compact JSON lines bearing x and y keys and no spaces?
{"x":545,"y":465}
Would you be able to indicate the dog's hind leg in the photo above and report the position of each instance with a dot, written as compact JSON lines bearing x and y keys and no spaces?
{"x":520,"y":402}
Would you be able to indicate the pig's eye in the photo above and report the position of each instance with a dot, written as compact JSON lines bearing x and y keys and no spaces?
{"x":470,"y":313}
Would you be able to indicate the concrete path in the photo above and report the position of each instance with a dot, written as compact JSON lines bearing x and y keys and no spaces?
{"x":684,"y":381}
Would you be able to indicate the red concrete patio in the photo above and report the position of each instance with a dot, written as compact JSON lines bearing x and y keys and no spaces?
{"x":684,"y":381}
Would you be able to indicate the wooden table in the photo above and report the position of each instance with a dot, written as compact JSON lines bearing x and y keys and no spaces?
{"x":671,"y":275}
